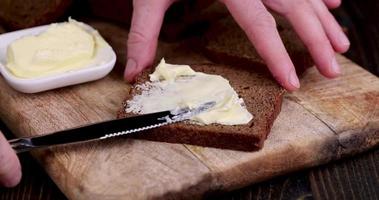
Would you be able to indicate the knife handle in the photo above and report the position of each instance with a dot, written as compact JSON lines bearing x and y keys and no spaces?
{"x":21,"y":144}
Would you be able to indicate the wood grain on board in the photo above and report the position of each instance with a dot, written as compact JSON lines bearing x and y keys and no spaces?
{"x":321,"y":122}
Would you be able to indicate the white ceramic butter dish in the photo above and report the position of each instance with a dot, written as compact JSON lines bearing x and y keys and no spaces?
{"x":104,"y":62}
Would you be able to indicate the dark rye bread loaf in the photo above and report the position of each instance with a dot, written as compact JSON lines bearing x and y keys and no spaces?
{"x":262,"y":96}
{"x":19,"y":14}
{"x":226,"y":43}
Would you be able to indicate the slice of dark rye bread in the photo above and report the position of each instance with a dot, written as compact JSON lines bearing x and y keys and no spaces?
{"x":226,"y":43}
{"x":262,"y":96}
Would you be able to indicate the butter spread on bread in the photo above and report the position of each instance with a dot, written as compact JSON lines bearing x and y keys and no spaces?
{"x":173,"y":86}
{"x":61,"y":48}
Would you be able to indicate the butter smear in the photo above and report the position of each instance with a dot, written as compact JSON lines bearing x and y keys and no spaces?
{"x":173,"y":86}
{"x":62,"y":47}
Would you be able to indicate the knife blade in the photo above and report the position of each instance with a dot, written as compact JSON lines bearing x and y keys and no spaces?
{"x":108,"y":129}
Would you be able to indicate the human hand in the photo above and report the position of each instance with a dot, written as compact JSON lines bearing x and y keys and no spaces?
{"x":10,"y":168}
{"x":311,"y":19}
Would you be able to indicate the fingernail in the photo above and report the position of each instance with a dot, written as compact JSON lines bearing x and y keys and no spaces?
{"x":335,"y":67}
{"x":344,"y":40}
{"x":131,"y":66}
{"x":293,"y":80}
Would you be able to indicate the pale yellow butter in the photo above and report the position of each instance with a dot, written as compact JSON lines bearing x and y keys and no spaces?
{"x":170,"y":72}
{"x":174,"y":86}
{"x":61,"y":48}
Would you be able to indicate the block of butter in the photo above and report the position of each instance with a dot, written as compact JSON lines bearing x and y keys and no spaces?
{"x":62,"y":47}
{"x":52,"y":56}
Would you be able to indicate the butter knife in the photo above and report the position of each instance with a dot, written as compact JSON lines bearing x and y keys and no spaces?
{"x":108,"y":129}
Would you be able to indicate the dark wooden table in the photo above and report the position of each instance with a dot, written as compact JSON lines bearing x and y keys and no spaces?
{"x":352,"y":178}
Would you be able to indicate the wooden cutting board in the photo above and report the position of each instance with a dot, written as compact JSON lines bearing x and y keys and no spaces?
{"x":324,"y":121}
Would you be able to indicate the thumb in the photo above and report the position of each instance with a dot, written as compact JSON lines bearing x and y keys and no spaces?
{"x":143,"y":36}
{"x":10,"y":168}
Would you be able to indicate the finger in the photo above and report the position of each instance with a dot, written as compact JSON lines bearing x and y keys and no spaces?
{"x":307,"y":25}
{"x":332,"y":29}
{"x":10,"y":168}
{"x":332,"y":3}
{"x":261,"y":30}
{"x":144,"y":31}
